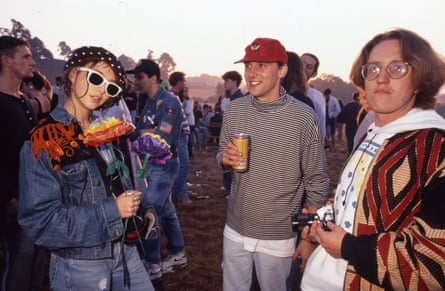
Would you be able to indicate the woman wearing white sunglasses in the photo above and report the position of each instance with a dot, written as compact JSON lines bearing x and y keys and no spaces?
{"x":70,"y":203}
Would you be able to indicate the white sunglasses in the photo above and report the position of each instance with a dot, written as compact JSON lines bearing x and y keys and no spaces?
{"x":96,"y":79}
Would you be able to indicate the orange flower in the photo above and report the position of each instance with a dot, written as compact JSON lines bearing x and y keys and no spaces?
{"x":107,"y":130}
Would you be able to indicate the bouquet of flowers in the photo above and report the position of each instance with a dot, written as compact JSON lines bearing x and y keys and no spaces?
{"x":103,"y":132}
{"x":108,"y":127}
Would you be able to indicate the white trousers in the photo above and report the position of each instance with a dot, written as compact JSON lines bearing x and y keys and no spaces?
{"x":271,"y":271}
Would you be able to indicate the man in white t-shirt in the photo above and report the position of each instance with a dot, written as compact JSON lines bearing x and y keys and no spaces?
{"x":310,"y":65}
{"x":333,"y":109}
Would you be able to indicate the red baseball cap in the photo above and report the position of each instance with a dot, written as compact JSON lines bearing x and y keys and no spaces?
{"x":267,"y":50}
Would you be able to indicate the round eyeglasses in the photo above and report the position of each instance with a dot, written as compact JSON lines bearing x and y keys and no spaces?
{"x":96,"y":79}
{"x":395,"y":70}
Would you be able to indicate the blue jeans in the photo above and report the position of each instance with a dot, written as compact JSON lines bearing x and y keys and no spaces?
{"x":24,"y":262}
{"x":157,"y":194}
{"x":201,"y":137}
{"x":104,"y":274}
{"x":180,"y":185}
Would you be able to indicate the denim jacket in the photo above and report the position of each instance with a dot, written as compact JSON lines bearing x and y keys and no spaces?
{"x":163,"y":112}
{"x":65,"y":207}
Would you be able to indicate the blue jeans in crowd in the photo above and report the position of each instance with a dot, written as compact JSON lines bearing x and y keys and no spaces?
{"x":180,"y":185}
{"x":104,"y":274}
{"x":157,"y":194}
{"x":200,"y":134}
{"x":24,"y":262}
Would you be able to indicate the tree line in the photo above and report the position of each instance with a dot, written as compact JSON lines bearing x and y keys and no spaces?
{"x":53,"y":67}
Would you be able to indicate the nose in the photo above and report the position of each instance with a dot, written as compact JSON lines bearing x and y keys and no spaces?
{"x":104,"y":89}
{"x":251,"y":70}
{"x":383,"y":76}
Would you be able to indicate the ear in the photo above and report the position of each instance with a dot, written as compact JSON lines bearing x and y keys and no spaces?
{"x":5,"y":60}
{"x":282,"y":72}
{"x":71,"y":74}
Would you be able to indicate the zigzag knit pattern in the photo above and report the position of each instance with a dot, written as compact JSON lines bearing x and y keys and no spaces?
{"x":410,"y":251}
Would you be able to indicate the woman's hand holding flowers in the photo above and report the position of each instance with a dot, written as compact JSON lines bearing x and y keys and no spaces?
{"x":128,"y":203}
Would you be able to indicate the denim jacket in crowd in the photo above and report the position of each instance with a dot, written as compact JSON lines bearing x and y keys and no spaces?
{"x":63,"y":203}
{"x":163,"y":113}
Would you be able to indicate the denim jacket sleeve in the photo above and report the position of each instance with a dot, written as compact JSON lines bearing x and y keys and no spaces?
{"x":68,"y":208}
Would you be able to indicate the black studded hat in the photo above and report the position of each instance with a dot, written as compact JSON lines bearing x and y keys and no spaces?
{"x":86,"y":53}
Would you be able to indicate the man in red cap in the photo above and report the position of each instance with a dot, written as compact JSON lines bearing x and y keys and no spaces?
{"x":286,"y":161}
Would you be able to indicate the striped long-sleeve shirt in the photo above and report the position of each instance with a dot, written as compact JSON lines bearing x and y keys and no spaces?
{"x":286,"y":160}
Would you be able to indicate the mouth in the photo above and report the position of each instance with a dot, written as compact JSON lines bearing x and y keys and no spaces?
{"x":254,"y":83}
{"x":382,"y":91}
{"x":96,"y":99}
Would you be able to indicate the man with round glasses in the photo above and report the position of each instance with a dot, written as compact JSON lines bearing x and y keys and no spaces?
{"x":389,"y":206}
{"x":395,"y":70}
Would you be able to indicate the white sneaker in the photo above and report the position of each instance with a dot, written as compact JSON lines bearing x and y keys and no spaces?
{"x":172,"y":262}
{"x":153,"y":270}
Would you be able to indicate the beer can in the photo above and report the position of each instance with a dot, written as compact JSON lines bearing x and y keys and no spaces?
{"x":241,"y":140}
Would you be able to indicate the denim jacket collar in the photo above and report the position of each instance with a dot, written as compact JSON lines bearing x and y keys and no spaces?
{"x":60,"y":114}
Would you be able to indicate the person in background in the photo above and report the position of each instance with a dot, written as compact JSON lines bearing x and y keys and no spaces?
{"x":68,"y":202}
{"x":207,"y":114}
{"x":232,"y":81}
{"x":188,"y":110}
{"x":200,"y":127}
{"x":332,"y":111}
{"x":131,"y":99}
{"x":350,"y":117}
{"x":272,"y":188}
{"x":40,"y":93}
{"x":218,"y":103}
{"x":17,"y":118}
{"x":214,"y":127}
{"x":180,"y":186}
{"x":225,"y":101}
{"x":295,"y":81}
{"x":339,"y":126}
{"x":59,"y":91}
{"x":310,"y":66}
{"x":163,"y":115}
{"x":179,"y":88}
{"x":390,"y":225}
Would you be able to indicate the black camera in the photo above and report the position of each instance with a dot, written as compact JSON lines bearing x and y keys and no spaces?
{"x":323,"y":215}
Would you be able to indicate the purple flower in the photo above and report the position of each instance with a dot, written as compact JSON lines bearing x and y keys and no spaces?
{"x":153,"y":147}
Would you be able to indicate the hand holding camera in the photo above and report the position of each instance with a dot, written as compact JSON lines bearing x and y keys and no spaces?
{"x":324,"y":215}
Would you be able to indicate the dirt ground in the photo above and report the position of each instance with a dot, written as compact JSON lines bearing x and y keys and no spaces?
{"x":203,"y":221}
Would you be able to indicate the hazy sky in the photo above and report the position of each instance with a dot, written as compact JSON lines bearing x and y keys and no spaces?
{"x":206,"y":36}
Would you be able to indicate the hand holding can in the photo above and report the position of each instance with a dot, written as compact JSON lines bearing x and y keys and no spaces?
{"x":241,"y":141}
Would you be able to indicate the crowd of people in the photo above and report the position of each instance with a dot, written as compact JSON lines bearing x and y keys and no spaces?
{"x":69,"y":202}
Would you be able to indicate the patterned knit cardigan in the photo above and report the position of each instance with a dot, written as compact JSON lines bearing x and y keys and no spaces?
{"x":399,"y":232}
